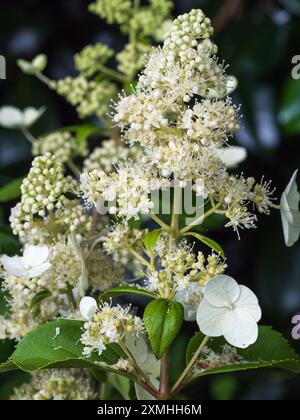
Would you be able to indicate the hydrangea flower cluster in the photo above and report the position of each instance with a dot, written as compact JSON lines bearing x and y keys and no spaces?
{"x":57,"y":384}
{"x":108,"y":324}
{"x":86,"y":233}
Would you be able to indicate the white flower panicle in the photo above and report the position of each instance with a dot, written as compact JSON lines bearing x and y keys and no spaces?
{"x":57,"y":384}
{"x":184,"y":272}
{"x":107,"y":324}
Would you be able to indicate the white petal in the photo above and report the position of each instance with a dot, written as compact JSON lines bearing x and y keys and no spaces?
{"x":210,"y":318}
{"x":13,"y":265}
{"x":152,"y":365}
{"x":11,"y":117}
{"x":137,"y":347}
{"x":249,"y":302}
{"x":87,"y":307}
{"x":232,"y":155}
{"x":240,"y":328}
{"x":231,"y":84}
{"x":31,"y":115}
{"x":37,"y":270}
{"x":290,"y":215}
{"x":221,"y":291}
{"x":35,"y":255}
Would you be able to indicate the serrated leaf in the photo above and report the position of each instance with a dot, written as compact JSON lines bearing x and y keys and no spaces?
{"x":163,"y":320}
{"x":11,"y":191}
{"x":207,"y":241}
{"x":122,"y":290}
{"x":150,"y":239}
{"x":44,"y":348}
{"x":270,"y":349}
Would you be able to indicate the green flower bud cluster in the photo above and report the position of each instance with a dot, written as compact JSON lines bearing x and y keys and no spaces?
{"x":103,"y":272}
{"x":43,"y":191}
{"x":132,"y":58}
{"x":143,"y":20}
{"x":89,"y":97}
{"x":114,"y":11}
{"x":91,"y":59}
{"x":61,"y":144}
{"x":106,"y":157}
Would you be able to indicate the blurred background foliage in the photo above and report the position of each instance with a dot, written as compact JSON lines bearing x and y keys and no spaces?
{"x":258,"y":40}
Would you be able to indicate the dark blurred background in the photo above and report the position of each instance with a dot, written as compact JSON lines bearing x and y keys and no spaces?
{"x":258,"y":40}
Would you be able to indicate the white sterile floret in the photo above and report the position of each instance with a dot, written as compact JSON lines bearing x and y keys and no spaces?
{"x":190,"y":299}
{"x":230,"y":310}
{"x":32,"y":264}
{"x":143,"y":355}
{"x":290,"y":215}
{"x":88,"y":306}
{"x":12,"y":117}
{"x":232,"y":156}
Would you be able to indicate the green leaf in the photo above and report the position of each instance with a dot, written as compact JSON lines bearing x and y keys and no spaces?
{"x":224,"y":387}
{"x":121,"y":383}
{"x":163,"y":320}
{"x":270,"y":349}
{"x":209,"y":242}
{"x":7,"y":366}
{"x":150,"y":240}
{"x":39,"y":297}
{"x":44,"y":348}
{"x":118,"y":291}
{"x":11,"y":191}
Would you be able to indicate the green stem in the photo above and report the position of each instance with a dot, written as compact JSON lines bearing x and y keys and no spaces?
{"x":177,"y":386}
{"x":70,"y":297}
{"x":160,"y":222}
{"x":141,"y":259}
{"x":28,"y":135}
{"x":44,"y":79}
{"x":201,"y":218}
{"x":145,"y":380}
{"x":164,"y":386}
{"x":113,"y":74}
{"x":71,"y":165}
